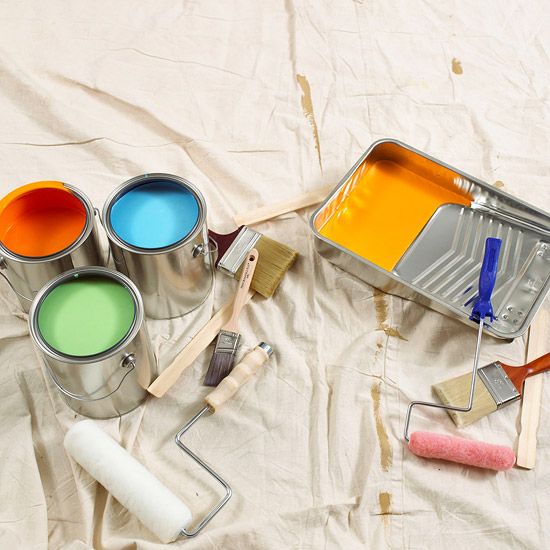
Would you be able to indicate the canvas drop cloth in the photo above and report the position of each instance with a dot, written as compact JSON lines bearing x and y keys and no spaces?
{"x":256,"y":102}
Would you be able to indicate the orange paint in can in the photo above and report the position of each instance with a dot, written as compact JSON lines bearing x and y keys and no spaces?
{"x":41,"y":219}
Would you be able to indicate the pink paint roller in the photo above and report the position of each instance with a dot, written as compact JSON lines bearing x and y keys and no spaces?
{"x":459,"y":449}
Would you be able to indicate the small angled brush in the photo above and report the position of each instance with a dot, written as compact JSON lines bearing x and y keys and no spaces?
{"x":228,"y":338}
{"x":275,"y":258}
{"x":498,"y":385}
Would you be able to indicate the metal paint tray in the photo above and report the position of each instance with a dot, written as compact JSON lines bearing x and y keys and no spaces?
{"x":439,"y":268}
{"x":446,"y":257}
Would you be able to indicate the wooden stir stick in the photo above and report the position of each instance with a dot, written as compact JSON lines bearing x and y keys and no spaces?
{"x":273,"y":210}
{"x":193,"y":349}
{"x":532,"y":392}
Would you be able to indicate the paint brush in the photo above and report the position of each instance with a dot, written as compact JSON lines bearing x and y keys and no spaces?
{"x":228,"y":338}
{"x":498,"y":385}
{"x":274,"y":258}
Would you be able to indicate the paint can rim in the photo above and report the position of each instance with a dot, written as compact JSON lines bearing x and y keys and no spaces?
{"x":87,"y":229}
{"x":139,"y":314}
{"x":137,"y":181}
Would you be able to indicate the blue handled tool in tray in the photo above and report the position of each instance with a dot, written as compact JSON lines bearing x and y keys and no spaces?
{"x":482,"y":308}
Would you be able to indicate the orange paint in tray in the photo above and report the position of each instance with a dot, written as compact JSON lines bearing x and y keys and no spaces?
{"x":385,"y":211}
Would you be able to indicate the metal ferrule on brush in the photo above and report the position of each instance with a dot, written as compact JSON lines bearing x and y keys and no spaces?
{"x":227,"y":342}
{"x":237,"y":252}
{"x":498,"y":384}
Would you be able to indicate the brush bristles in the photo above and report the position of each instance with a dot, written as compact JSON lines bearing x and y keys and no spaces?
{"x":274,"y":260}
{"x":220,"y":366}
{"x":456,"y":391}
{"x":223,"y":358}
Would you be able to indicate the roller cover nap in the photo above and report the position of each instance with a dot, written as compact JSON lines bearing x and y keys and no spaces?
{"x":127,"y":480}
{"x":463,"y":451}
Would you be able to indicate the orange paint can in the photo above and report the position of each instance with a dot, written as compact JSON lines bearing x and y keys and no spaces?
{"x":46,"y":228}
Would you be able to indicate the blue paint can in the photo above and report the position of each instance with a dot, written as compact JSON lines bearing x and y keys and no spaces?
{"x":156,"y":224}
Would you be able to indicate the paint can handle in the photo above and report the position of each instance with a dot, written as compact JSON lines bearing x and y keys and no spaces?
{"x":209,"y":248}
{"x":127,"y":361}
{"x":3,"y":266}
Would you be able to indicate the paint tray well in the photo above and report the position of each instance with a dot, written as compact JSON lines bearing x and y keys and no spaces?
{"x":386,"y":205}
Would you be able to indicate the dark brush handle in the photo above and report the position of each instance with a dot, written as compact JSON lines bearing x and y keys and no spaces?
{"x":223,"y":241}
{"x":518,"y":374}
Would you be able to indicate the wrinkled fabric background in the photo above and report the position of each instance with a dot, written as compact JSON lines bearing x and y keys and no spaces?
{"x":256,"y":102}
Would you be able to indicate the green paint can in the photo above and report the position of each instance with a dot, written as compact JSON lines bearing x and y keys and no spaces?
{"x":88,"y":324}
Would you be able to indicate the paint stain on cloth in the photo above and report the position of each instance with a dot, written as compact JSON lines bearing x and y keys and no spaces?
{"x":307,"y":107}
{"x":384,"y":500}
{"x":380,"y":306}
{"x":381,"y":311}
{"x":386,"y":453}
{"x":456,"y":66}
{"x":391,"y":331}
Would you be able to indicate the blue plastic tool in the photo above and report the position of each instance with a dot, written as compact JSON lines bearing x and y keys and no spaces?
{"x":487,"y":278}
{"x":482,"y":308}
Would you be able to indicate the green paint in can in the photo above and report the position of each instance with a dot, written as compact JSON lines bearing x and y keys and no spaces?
{"x":86,"y":315}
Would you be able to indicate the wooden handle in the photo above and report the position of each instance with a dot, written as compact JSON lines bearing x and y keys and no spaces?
{"x":237,"y":378}
{"x":538,"y":365}
{"x":242,"y":290}
{"x":193,"y":349}
{"x":272,"y":211}
{"x":517,"y":375}
{"x":532,"y":393}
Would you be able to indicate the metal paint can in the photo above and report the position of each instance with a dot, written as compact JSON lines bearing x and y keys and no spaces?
{"x":112,"y":381}
{"x":174,"y":273}
{"x":46,"y":228}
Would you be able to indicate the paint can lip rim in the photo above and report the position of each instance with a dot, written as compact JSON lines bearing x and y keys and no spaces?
{"x":88,"y":227}
{"x":137,"y":324}
{"x":140,"y":180}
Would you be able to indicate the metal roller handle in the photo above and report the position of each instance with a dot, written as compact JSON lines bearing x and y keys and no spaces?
{"x":128,"y":360}
{"x":227,"y":387}
{"x":467,"y":408}
{"x":482,"y":308}
{"x":239,"y":376}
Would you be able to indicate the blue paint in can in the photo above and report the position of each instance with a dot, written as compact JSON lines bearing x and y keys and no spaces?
{"x":156,"y":214}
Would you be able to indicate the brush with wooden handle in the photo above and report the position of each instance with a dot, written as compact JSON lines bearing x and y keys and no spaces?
{"x":275,"y":258}
{"x":193,"y":349}
{"x":498,"y":386}
{"x":228,"y":339}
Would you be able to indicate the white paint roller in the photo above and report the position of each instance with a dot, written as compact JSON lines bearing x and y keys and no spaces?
{"x":133,"y":485}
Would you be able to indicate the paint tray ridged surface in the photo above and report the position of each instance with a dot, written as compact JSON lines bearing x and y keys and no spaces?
{"x":446,"y":258}
{"x":414,"y":226}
